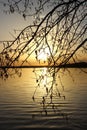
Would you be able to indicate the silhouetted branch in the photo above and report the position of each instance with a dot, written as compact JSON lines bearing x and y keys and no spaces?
{"x":57,"y":34}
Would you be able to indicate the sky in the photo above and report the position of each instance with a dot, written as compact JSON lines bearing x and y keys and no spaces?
{"x":10,"y":22}
{"x":7,"y":25}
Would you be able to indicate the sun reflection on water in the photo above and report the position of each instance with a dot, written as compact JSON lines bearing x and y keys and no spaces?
{"x":47,"y":89}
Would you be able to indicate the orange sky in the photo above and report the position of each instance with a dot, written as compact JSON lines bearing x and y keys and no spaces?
{"x":14,"y":21}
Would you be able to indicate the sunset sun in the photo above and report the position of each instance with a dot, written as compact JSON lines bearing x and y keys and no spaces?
{"x":43,"y":54}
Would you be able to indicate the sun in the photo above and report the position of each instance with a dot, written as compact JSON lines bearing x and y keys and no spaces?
{"x":43,"y":54}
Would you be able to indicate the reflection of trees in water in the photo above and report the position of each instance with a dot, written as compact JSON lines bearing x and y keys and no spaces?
{"x":58,"y":37}
{"x":51,"y":91}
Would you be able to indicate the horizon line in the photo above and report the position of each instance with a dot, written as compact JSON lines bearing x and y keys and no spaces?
{"x":73,"y":65}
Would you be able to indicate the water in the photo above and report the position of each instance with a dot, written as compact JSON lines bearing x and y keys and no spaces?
{"x":19,"y":111}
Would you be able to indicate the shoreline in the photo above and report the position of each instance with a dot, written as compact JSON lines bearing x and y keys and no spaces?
{"x":73,"y":65}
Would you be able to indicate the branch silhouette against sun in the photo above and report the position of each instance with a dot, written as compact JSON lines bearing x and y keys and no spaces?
{"x":61,"y":31}
{"x":56,"y":37}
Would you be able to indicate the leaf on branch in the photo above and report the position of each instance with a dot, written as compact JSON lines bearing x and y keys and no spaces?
{"x":12,"y":9}
{"x":24,"y":16}
{"x":33,"y":98}
{"x":4,"y":4}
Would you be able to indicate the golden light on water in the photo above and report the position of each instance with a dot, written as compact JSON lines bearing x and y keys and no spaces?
{"x":44,"y":77}
{"x":43,"y":80}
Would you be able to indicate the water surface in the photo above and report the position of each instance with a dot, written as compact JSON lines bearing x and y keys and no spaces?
{"x":19,"y":111}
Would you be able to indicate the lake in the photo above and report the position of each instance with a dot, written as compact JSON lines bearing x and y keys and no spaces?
{"x":19,"y":111}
